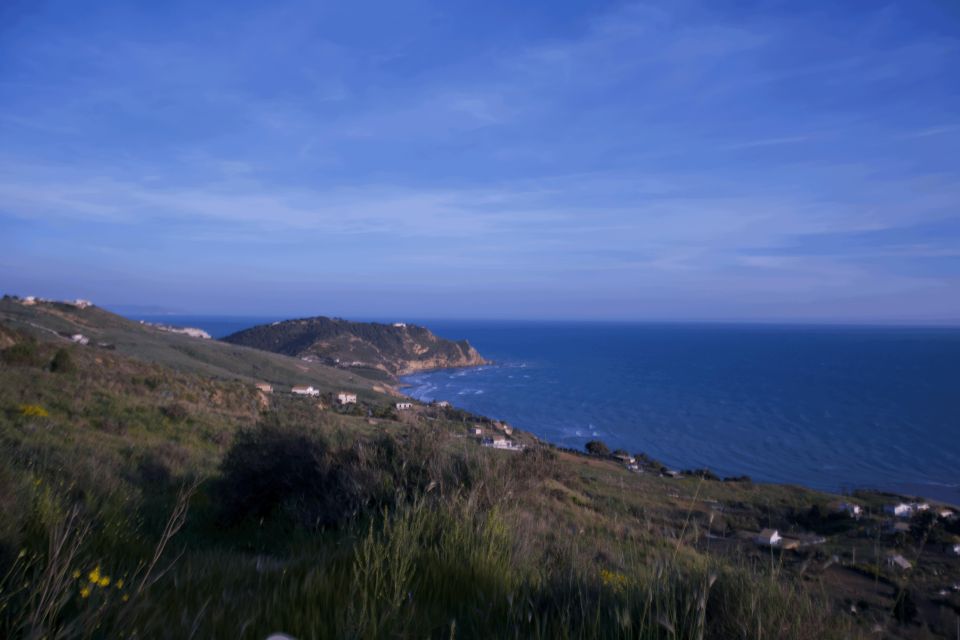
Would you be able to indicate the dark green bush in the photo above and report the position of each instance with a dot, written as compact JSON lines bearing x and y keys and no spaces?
{"x":62,"y":362}
{"x":22,"y":354}
{"x":597,"y":448}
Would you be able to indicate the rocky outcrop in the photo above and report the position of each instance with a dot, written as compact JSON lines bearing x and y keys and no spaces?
{"x":394,"y":350}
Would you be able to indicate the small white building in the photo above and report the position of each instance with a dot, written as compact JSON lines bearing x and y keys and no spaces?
{"x":899,"y":562}
{"x":302,"y":390}
{"x":475,"y":431}
{"x":79,"y":338}
{"x":346,"y":398}
{"x":442,"y":403}
{"x":769,"y":538}
{"x":265,"y":387}
{"x":946,"y":514}
{"x":899,"y":510}
{"x":625,"y":458}
{"x":82,"y":304}
{"x":851,"y":509}
{"x":400,"y":325}
{"x":501,"y":443}
{"x":921,"y":506}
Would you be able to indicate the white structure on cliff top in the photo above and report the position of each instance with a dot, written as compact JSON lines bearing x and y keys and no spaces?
{"x":346,"y":398}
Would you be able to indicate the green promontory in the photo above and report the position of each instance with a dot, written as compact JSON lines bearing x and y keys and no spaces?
{"x":395,"y":349}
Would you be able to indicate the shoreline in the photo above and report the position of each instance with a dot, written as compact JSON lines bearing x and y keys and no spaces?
{"x":837,"y":491}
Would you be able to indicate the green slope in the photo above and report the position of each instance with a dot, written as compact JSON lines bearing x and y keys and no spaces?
{"x":183,"y":353}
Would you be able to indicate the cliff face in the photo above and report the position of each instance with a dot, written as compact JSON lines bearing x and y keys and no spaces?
{"x":393,"y":349}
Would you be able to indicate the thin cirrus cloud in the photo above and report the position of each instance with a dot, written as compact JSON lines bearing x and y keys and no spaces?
{"x":672,"y":154}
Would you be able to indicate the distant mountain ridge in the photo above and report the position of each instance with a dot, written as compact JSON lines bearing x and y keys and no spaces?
{"x":396,"y":349}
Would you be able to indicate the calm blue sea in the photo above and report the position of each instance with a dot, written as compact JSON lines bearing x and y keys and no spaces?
{"x":832,"y":407}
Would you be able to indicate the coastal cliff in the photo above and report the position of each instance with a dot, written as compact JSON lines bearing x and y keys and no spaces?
{"x":395,"y":350}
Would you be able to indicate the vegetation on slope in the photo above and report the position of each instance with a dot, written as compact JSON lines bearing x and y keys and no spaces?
{"x":145,"y":501}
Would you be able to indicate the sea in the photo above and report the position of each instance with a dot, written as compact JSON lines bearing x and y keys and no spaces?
{"x":829,"y":407}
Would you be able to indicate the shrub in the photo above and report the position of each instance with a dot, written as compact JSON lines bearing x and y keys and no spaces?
{"x":176,"y":412}
{"x":62,"y":362}
{"x":269,"y":469}
{"x":22,"y":353}
{"x":597,"y":448}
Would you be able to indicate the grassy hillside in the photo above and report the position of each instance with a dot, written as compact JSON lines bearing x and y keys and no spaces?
{"x":364,"y":346}
{"x":54,"y":321}
{"x":156,"y":501}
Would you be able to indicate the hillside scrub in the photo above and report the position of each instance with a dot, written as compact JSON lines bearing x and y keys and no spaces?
{"x":322,"y":525}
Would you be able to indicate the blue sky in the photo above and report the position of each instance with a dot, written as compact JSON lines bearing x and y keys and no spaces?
{"x":656,"y":160}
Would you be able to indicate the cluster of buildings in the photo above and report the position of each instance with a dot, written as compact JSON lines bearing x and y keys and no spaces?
{"x":79,"y":303}
{"x":906,"y":509}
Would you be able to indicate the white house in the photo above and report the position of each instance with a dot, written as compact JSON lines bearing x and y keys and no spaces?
{"x":442,"y":403}
{"x":625,"y":458}
{"x":404,"y":406}
{"x":921,"y":506}
{"x":82,"y":304}
{"x":79,"y":338}
{"x":769,"y":538}
{"x":501,"y":443}
{"x":946,"y":514}
{"x":475,"y":431}
{"x":346,"y":398}
{"x":263,"y":386}
{"x":302,"y":390}
{"x":400,"y":325}
{"x":899,"y":510}
{"x":899,"y":561}
{"x":851,"y":509}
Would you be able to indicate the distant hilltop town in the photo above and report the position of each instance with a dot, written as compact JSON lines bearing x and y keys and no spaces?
{"x":79,"y":303}
{"x":29,"y":301}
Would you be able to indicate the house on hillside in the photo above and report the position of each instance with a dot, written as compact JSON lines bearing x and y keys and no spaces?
{"x":899,"y":562}
{"x":404,"y":406}
{"x":346,"y":398}
{"x":263,"y":386}
{"x":475,"y":431}
{"x":79,"y":338}
{"x":625,"y":458}
{"x":442,"y":404}
{"x":400,"y":325}
{"x":501,"y":443}
{"x":851,"y":509}
{"x":946,"y":514}
{"x":899,"y":510}
{"x":769,"y":538}
{"x":302,"y":390}
{"x":81,"y":304}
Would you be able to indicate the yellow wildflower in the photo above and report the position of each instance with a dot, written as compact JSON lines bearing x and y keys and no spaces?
{"x":120,"y":583}
{"x":104,"y":581}
{"x":85,"y":592}
{"x":94,"y":575}
{"x":125,"y":597}
{"x":76,"y":575}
